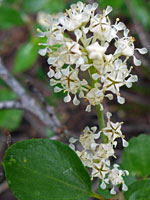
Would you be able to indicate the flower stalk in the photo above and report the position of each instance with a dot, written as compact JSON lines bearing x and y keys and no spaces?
{"x":101,"y":123}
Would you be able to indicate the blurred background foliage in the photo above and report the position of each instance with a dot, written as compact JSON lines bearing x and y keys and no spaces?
{"x":19,"y":20}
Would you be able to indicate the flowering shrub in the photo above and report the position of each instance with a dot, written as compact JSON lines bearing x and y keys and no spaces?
{"x":87,"y":53}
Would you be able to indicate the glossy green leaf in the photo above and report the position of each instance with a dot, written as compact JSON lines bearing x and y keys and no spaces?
{"x":105,"y":193}
{"x":143,"y":194}
{"x":9,"y":119}
{"x":50,"y":6}
{"x":9,"y":17}
{"x":134,"y":188}
{"x":26,"y":57}
{"x":136,"y":157}
{"x":43,"y":169}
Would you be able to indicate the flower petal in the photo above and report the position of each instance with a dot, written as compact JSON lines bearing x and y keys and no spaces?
{"x":78,"y":34}
{"x":124,"y":187}
{"x":108,"y":10}
{"x":142,"y":50}
{"x":121,"y":100}
{"x":67,"y":98}
{"x":42,"y":52}
{"x":76,"y":102}
{"x":136,"y":61}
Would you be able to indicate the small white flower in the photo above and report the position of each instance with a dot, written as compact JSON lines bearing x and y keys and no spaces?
{"x":77,"y":15}
{"x":95,"y":96}
{"x":96,"y":51}
{"x":125,"y":46}
{"x":87,"y":139}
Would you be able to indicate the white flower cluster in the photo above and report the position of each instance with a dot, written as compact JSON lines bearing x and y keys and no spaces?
{"x":96,"y":155}
{"x":94,"y":37}
{"x":93,"y":34}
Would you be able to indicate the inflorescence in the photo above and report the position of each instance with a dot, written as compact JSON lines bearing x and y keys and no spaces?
{"x":106,"y":72}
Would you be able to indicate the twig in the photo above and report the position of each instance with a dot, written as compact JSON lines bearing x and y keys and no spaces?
{"x":11,"y":105}
{"x":3,"y":187}
{"x":27,"y":102}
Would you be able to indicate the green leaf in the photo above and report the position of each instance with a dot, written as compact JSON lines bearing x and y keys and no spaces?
{"x":26,"y":56}
{"x":141,"y":194}
{"x":115,"y":4}
{"x":135,"y":187}
{"x":142,"y":12}
{"x":7,"y":94}
{"x":50,"y":6}
{"x":136,"y":157}
{"x":119,"y":7}
{"x":129,"y":180}
{"x":43,"y":169}
{"x":105,"y":193}
{"x":9,"y":119}
{"x":9,"y":17}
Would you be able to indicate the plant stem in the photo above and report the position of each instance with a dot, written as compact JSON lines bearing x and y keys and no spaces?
{"x":100,"y":117}
{"x":100,"y":114}
{"x":101,"y":123}
{"x":97,"y":196}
